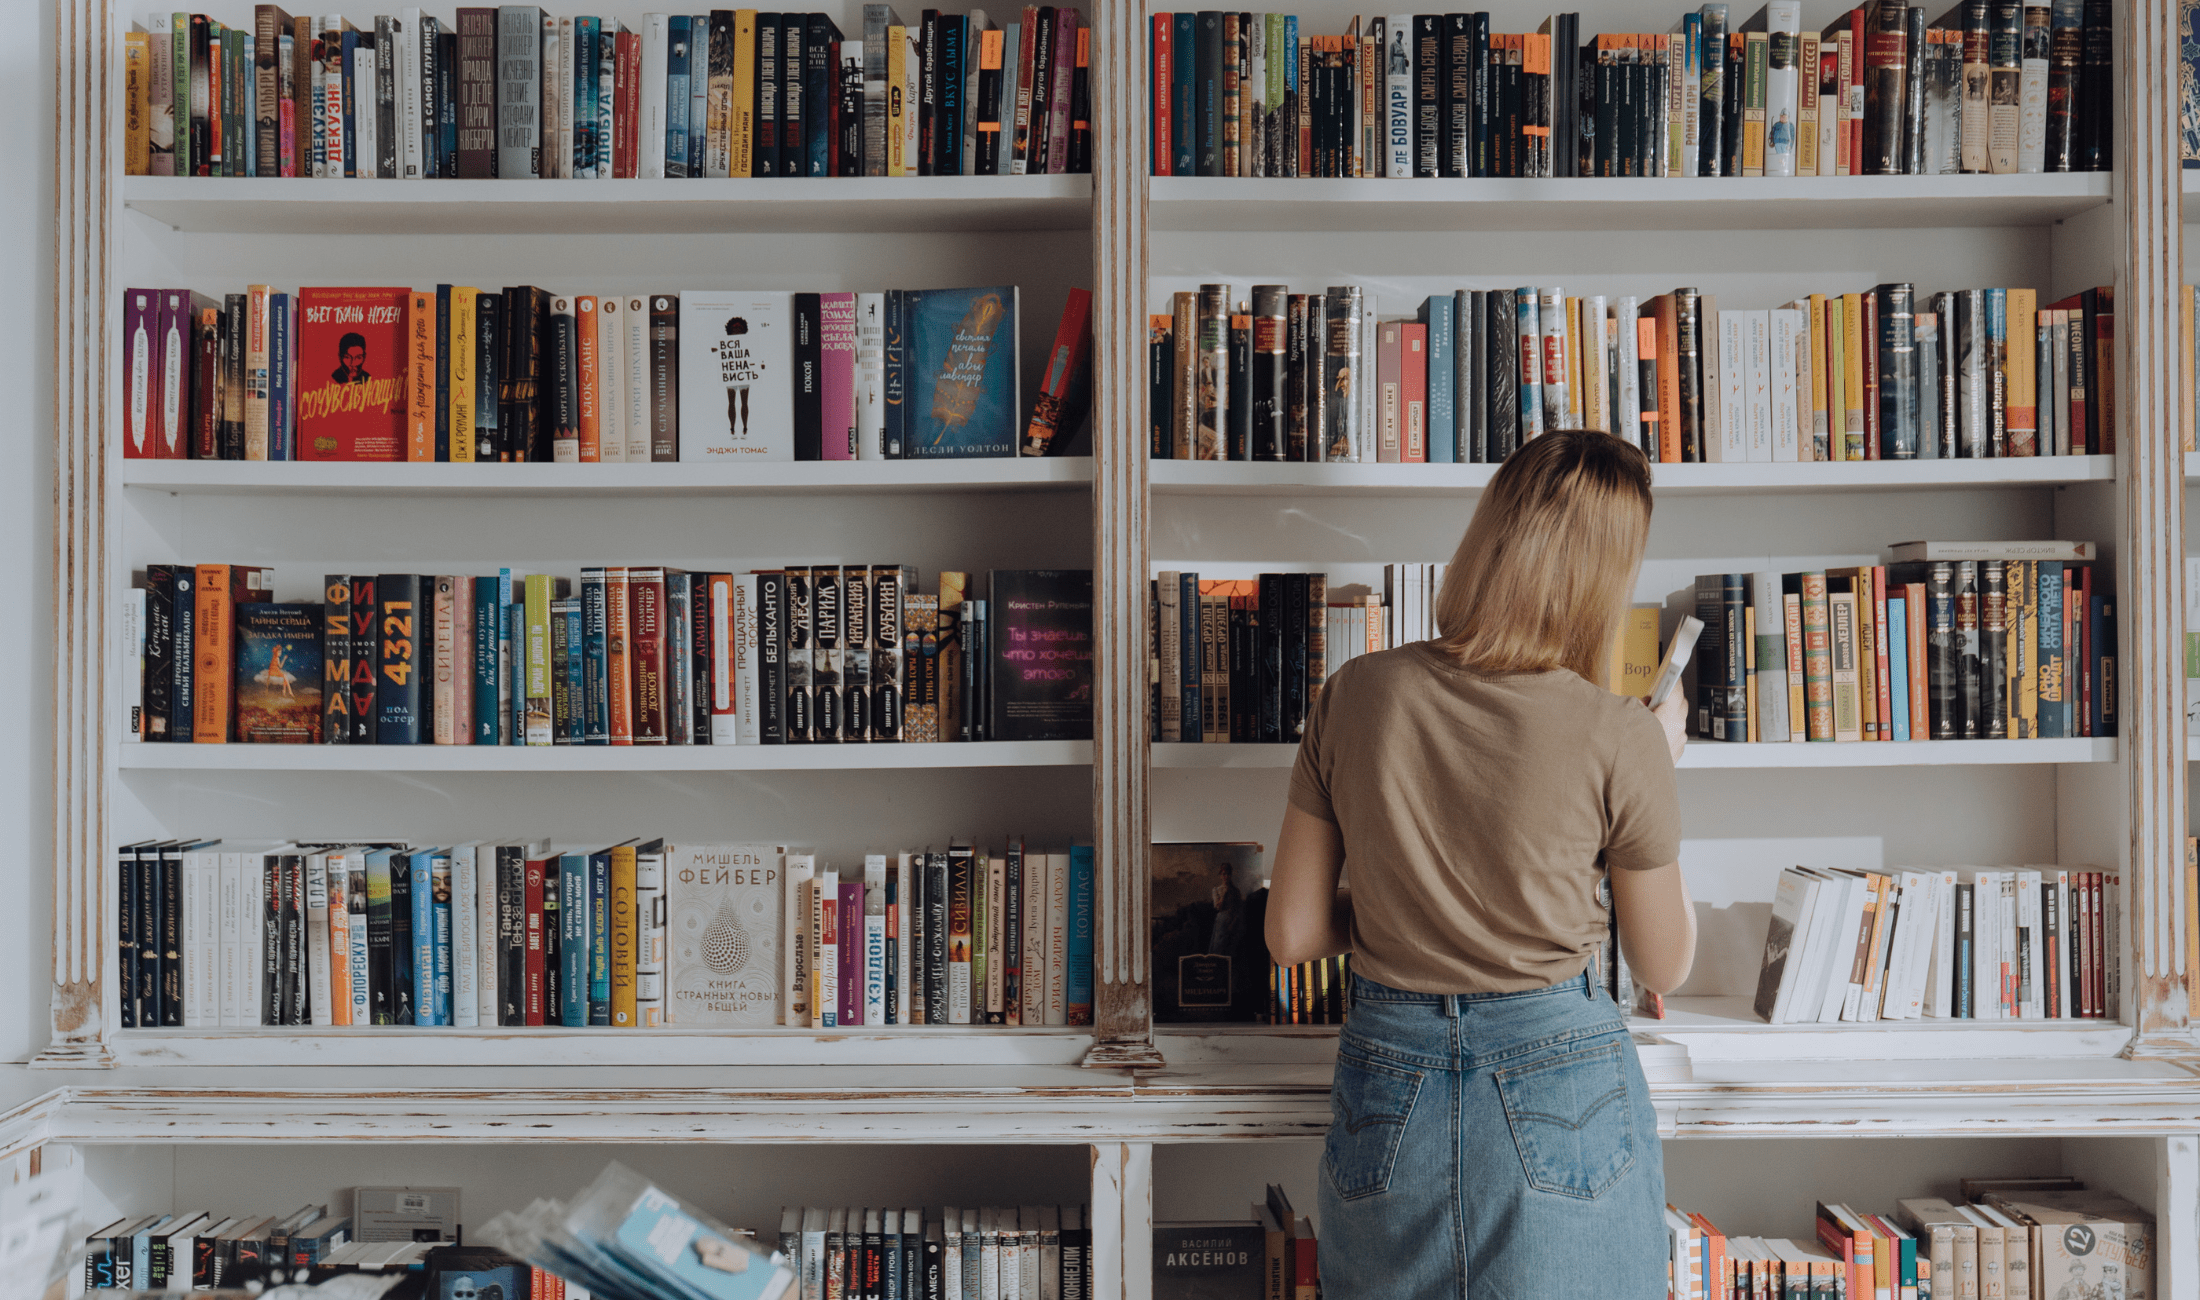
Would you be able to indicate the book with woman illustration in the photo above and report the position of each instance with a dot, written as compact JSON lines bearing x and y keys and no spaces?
{"x":279,"y":674}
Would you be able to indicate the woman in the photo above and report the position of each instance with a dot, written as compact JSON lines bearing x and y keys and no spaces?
{"x":1492,"y":1133}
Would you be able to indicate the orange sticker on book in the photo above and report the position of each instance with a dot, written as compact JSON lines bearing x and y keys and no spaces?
{"x":989,"y":50}
{"x":1535,"y":54}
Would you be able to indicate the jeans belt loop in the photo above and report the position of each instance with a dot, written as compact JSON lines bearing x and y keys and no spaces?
{"x":1454,"y":1005}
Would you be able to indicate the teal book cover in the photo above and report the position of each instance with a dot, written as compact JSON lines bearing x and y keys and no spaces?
{"x":279,"y":674}
{"x":963,"y":364}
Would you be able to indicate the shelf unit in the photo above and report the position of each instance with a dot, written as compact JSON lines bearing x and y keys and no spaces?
{"x":2119,"y":1102}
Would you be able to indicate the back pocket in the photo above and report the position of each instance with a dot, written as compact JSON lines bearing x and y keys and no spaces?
{"x":1370,"y":1102}
{"x":1570,"y":1119}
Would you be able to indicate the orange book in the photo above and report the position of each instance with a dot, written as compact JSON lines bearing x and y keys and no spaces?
{"x":1921,"y":726}
{"x":1714,"y":1254}
{"x":214,"y":649}
{"x":585,"y":368}
{"x":1646,"y":349}
{"x":420,"y":405}
{"x":618,"y":662}
{"x":1663,"y":312}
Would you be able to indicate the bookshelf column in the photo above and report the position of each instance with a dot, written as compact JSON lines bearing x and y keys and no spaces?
{"x":2153,"y":379}
{"x":87,"y":53}
{"x":1122,"y":817}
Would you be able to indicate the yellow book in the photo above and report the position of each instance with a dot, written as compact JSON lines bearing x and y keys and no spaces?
{"x":1577,"y":397}
{"x":420,"y":325}
{"x":462,"y":379}
{"x":1852,"y":375}
{"x":741,"y":121}
{"x":1791,"y":604}
{"x":1847,"y":721}
{"x":137,"y":103}
{"x":2022,"y":368}
{"x":897,"y":50}
{"x":1633,"y":663}
{"x":2026,"y":696}
{"x":623,"y":937}
{"x":1820,"y":444}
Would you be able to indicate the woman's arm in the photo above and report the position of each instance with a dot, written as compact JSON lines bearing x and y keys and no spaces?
{"x":1657,"y":925}
{"x":1308,"y":916}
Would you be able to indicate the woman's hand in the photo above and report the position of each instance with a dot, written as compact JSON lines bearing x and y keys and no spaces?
{"x":1673,"y":716}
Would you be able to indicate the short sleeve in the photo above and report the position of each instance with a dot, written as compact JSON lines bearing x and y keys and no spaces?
{"x":1310,"y":774}
{"x":1642,"y":798}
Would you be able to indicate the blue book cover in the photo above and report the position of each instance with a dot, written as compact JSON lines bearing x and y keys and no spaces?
{"x":686,"y":1258}
{"x":676,"y":95}
{"x":573,"y":949}
{"x":381,"y":935}
{"x":279,"y":674}
{"x":423,"y":936}
{"x":1443,"y":436}
{"x":595,"y":695}
{"x":817,"y":95}
{"x":488,"y":728}
{"x":1531,"y":374}
{"x":439,"y":889}
{"x":2054,"y":671}
{"x":575,"y":722}
{"x":962,"y":347}
{"x":1077,"y":979}
{"x":585,"y":38}
{"x":698,"y":88}
{"x":141,"y":1250}
{"x":279,"y":421}
{"x":446,"y":82}
{"x":1188,"y":643}
{"x":1898,"y":665}
{"x":1181,"y":82}
{"x":599,"y":938}
{"x":351,"y":97}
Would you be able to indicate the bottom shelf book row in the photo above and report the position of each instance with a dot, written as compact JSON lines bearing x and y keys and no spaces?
{"x":636,"y":935}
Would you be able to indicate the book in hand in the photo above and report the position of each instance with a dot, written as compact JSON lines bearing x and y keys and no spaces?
{"x":624,"y":1238}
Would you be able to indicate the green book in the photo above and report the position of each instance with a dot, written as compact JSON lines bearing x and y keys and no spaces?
{"x":537,"y":640}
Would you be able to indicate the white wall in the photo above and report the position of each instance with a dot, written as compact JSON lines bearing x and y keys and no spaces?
{"x":26,"y":525}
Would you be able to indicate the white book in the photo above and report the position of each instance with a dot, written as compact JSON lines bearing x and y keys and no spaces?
{"x":319,"y":1009}
{"x":1787,"y":931}
{"x":363,"y":115}
{"x":912,"y":70}
{"x":1730,"y":336}
{"x":1057,"y":938}
{"x":466,"y":947}
{"x":2032,"y":95}
{"x":1787,"y":399}
{"x":810,"y":1281}
{"x":229,"y":941}
{"x":989,"y":1253}
{"x":728,"y":905}
{"x":904,"y":868}
{"x":1557,"y":397}
{"x":1924,"y":938}
{"x":1596,"y":364}
{"x":2032,"y":945}
{"x":799,"y":957}
{"x":1756,"y":389}
{"x":252,"y":938}
{"x":746,"y":721}
{"x":1784,"y":25}
{"x":1831,"y":123}
{"x":557,"y":98}
{"x":411,"y":147}
{"x":1771,"y":646}
{"x":192,"y":926}
{"x":1940,"y":979}
{"x":487,"y":990}
{"x":951,"y":1252}
{"x":1627,"y":420}
{"x":656,"y":41}
{"x":1028,"y":1253}
{"x":634,"y":319}
{"x":611,"y":387}
{"x":1397,"y":88}
{"x":874,"y":938}
{"x":870,"y":376}
{"x":2065,"y":992}
{"x":1837,"y":955}
{"x":133,"y":665}
{"x":650,"y":936}
{"x":2012,"y":947}
{"x":1032,"y":909}
{"x":736,"y":355}
{"x":355,"y":898}
{"x":1985,"y":931}
{"x":1050,"y":1253}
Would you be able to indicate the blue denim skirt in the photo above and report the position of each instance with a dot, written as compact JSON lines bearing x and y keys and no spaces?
{"x":1497,"y":1146}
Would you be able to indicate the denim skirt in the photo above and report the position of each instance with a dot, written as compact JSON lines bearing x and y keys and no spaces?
{"x":1496,"y":1146}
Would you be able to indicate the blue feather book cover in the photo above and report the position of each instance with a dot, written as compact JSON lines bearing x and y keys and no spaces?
{"x":963,"y":361}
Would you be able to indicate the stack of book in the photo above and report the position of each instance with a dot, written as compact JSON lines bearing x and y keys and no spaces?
{"x":456,"y":374}
{"x":511,"y":91}
{"x":2067,"y":1240}
{"x":639,"y":655}
{"x":624,"y":1238}
{"x":1274,"y":1253}
{"x":637,"y":935}
{"x":1948,"y":641}
{"x":1991,"y":86}
{"x":1957,"y":943}
{"x":1008,"y":1252}
{"x":1872,"y":374}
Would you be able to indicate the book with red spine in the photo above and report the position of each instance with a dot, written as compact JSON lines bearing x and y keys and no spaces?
{"x":618,"y":653}
{"x":532,"y":902}
{"x":1882,"y":681}
{"x":1065,"y":388}
{"x":1413,"y":391}
{"x":645,"y":600}
{"x":352,"y":373}
{"x":1159,"y":141}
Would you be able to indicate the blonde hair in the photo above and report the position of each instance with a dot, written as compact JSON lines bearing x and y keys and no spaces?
{"x":1549,"y":560}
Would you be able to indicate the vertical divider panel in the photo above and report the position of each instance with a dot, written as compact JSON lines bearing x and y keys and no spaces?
{"x":1122,"y":1220}
{"x":1122,"y":816}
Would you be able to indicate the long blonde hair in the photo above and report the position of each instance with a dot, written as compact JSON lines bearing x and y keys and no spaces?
{"x":1549,"y":560}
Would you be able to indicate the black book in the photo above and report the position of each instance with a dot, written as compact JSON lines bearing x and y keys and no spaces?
{"x":1237,"y":440}
{"x":1564,"y":114}
{"x":1428,"y":93}
{"x":442,"y":373}
{"x":932,"y":1271}
{"x":989,"y":111}
{"x":1263,"y":401}
{"x":1207,"y":93}
{"x":511,"y":956}
{"x":1710,"y":157}
{"x":890,"y":585}
{"x":1040,"y":638}
{"x":809,"y":382}
{"x":1296,"y":363}
{"x":233,"y":385}
{"x":849,"y":147}
{"x":858,"y":606}
{"x":1969,"y":688}
{"x":365,"y":661}
{"x":524,"y":433}
{"x":151,"y":911}
{"x":947,"y":128}
{"x":828,"y":652}
{"x":1898,"y":396}
{"x":1730,"y":111}
{"x":874,"y":1257}
{"x":771,"y":658}
{"x":1269,"y":637}
{"x":270,"y":903}
{"x":1944,"y":710}
{"x":126,"y":935}
{"x":1455,"y":94}
{"x":400,"y":712}
{"x":928,"y":91}
{"x":1945,"y":374}
{"x":160,"y":653}
{"x":1076,"y":1256}
{"x":1993,"y":649}
{"x":764,"y":149}
{"x":1160,"y":365}
{"x":1080,"y":113}
{"x":1602,"y":129}
{"x":1913,"y":94}
{"x":403,"y":978}
{"x":797,"y":649}
{"x":795,"y":57}
{"x":1482,"y":112}
{"x":1501,"y":374}
{"x":1689,"y":344}
{"x":385,"y":97}
{"x":167,"y":934}
{"x":1243,"y":650}
{"x":935,"y":939}
{"x":1886,"y":88}
{"x":488,"y":382}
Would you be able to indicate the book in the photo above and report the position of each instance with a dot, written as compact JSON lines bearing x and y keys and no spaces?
{"x":278,"y":674}
{"x":725,"y":903}
{"x":965,"y":391}
{"x":358,"y":411}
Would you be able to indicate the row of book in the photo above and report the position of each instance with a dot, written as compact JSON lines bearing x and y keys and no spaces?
{"x":2000,"y":86}
{"x":198,"y":1251}
{"x":641,"y":655}
{"x":1472,"y":374}
{"x":1210,"y":955}
{"x":1949,"y":641}
{"x":1006,"y":1252}
{"x":456,"y":374}
{"x":636,"y":935}
{"x":1271,"y":1255}
{"x":511,"y":91}
{"x":1959,"y":943}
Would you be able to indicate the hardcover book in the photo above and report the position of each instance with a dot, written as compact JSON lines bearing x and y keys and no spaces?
{"x":1042,"y":654}
{"x":965,"y":395}
{"x":279,"y":674}
{"x":736,"y":363}
{"x":351,"y":373}
{"x":1209,"y":1261}
{"x":1210,"y":959}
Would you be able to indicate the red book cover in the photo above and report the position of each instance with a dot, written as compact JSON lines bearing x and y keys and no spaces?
{"x":535,"y":869}
{"x":351,"y":373}
{"x":627,"y":75}
{"x":1855,"y":91}
{"x":646,"y":652}
{"x":1882,"y":679}
{"x":1837,"y":1239}
{"x":1413,"y":391}
{"x":618,"y":661}
{"x":2084,"y":718}
{"x":206,"y":389}
{"x":1871,"y":375}
{"x":1064,"y":391}
{"x":1164,"y":77}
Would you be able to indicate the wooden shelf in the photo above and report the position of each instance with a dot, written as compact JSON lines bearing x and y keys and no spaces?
{"x":402,"y":479}
{"x":798,"y":205}
{"x":1706,"y":754}
{"x":1250,"y":478}
{"x":1207,"y":204}
{"x":597,"y":758}
{"x":1727,"y":1029}
{"x":450,"y":1046}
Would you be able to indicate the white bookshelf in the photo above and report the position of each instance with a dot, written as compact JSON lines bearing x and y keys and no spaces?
{"x":1009,"y":1116}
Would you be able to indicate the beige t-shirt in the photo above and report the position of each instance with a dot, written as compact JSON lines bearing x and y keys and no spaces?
{"x":1478,"y":813}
